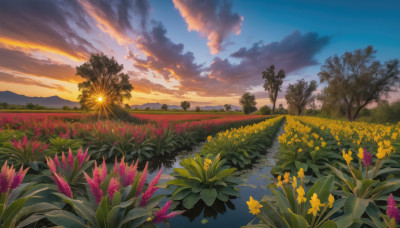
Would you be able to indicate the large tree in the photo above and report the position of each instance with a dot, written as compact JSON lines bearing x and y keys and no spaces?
{"x":356,"y":79}
{"x":273,"y":83}
{"x":248,"y":103}
{"x":298,"y":95}
{"x":185,"y":105}
{"x":227,"y":107}
{"x":104,"y":85}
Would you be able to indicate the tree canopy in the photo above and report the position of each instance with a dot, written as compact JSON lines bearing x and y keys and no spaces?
{"x":298,"y":95}
{"x":104,"y":85}
{"x":185,"y":105}
{"x":164,"y":107}
{"x":228,"y":107}
{"x":273,"y":83}
{"x":356,"y":79}
{"x":248,"y":103}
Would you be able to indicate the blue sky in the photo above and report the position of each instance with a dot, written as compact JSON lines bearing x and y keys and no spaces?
{"x":223,"y":55}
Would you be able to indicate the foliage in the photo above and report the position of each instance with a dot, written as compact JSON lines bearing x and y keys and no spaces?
{"x":273,"y":83}
{"x":58,"y":145}
{"x":265,"y":110}
{"x":185,"y":105}
{"x":227,"y":107}
{"x":298,"y":95}
{"x":104,"y":84}
{"x":203,"y":180}
{"x":290,"y":206}
{"x":356,"y":79}
{"x":248,"y":103}
{"x":242,"y":145}
{"x":164,"y":107}
{"x":117,"y":199}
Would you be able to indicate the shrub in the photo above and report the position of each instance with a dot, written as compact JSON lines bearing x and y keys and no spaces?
{"x":265,"y":110}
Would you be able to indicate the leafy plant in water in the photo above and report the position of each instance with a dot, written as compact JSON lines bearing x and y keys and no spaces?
{"x":290,"y":206}
{"x":118,"y":199}
{"x":203,"y":179}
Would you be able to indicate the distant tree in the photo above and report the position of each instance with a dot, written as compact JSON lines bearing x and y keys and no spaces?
{"x":228,"y":107}
{"x":265,"y":110}
{"x":273,"y":83}
{"x":147,"y":109}
{"x":198,"y":109}
{"x":75,"y":108}
{"x":4,"y":105}
{"x":66,"y":108}
{"x":104,"y":83}
{"x":356,"y":79}
{"x":127,"y":107}
{"x":298,"y":95}
{"x":185,"y":105}
{"x":31,"y":106}
{"x":164,"y":107}
{"x":248,"y":103}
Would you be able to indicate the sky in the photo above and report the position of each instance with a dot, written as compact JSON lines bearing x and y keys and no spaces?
{"x":208,"y":52}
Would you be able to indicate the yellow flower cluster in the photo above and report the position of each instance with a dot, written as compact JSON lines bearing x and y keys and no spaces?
{"x":347,"y":156}
{"x":254,"y":206}
{"x":207,"y":163}
{"x":384,"y":149}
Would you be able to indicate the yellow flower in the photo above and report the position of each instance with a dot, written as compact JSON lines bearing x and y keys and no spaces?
{"x":317,"y":148}
{"x":300,"y":195}
{"x":294,"y":182}
{"x":207,"y":163}
{"x":331,"y":199}
{"x":209,"y":138}
{"x":360,"y":154}
{"x":148,"y":219}
{"x":315,"y":204}
{"x":254,"y":206}
{"x":347,"y":156}
{"x":286,"y":177}
{"x":300,"y":150}
{"x":279,"y":184}
{"x":323,"y":144}
{"x":300,"y":174}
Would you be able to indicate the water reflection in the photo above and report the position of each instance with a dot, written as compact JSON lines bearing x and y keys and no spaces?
{"x":219,"y":207}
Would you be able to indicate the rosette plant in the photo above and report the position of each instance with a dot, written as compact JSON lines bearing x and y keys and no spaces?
{"x":203,"y":180}
{"x":364,"y":186}
{"x":117,"y":199}
{"x":290,"y":205}
{"x":163,"y":140}
{"x":25,"y":152}
{"x":58,"y":145}
{"x":14,"y":196}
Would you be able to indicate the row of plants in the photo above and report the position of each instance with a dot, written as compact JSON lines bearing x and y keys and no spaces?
{"x":240,"y":146}
{"x":75,"y":192}
{"x":344,"y":189}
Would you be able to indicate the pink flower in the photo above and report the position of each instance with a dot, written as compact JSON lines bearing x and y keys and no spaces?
{"x":142,"y":180}
{"x":126,"y":173}
{"x":51,"y":164}
{"x":64,"y":161}
{"x":162,"y":215}
{"x":151,"y":189}
{"x":19,"y":177}
{"x":367,"y":158}
{"x":392,"y":210}
{"x":62,"y":185}
{"x":70,"y":159}
{"x":99,"y":174}
{"x":95,"y":188}
{"x":6,"y":177}
{"x":82,"y":157}
{"x":112,"y":188}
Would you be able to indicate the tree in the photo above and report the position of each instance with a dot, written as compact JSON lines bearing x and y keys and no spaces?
{"x":105,"y":84}
{"x":164,"y":107}
{"x":298,"y":95}
{"x":273,"y":83}
{"x":228,"y":107}
{"x":127,"y":107}
{"x":248,"y":103}
{"x":265,"y":110}
{"x":356,"y":79}
{"x":185,"y":105}
{"x":198,"y":109}
{"x":66,"y":107}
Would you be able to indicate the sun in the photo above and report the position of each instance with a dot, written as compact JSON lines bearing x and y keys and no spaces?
{"x":100,"y":99}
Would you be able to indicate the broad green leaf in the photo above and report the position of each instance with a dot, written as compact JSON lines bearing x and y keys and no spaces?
{"x":65,"y":219}
{"x":208,"y":196}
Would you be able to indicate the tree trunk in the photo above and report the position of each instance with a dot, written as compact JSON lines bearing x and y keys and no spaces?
{"x":348,"y":114}
{"x":273,"y":106}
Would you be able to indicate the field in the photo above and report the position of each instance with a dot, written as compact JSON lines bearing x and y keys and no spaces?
{"x":199,"y":169}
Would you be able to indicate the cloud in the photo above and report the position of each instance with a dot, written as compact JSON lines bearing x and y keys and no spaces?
{"x":144,"y":85}
{"x":21,"y":62}
{"x":212,"y":19}
{"x":8,"y":78}
{"x":113,"y":17}
{"x":45,"y":25}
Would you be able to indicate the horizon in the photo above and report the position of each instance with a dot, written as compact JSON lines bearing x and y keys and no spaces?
{"x":177,"y":50}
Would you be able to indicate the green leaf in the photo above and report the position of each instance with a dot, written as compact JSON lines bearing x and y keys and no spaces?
{"x":65,"y":219}
{"x":208,"y":196}
{"x":190,"y":200}
{"x":329,"y":224}
{"x":11,"y":212}
{"x":133,"y":215}
{"x":222,"y":174}
{"x":355,"y":206}
{"x":298,"y":221}
{"x":102,"y":213}
{"x":179,"y":182}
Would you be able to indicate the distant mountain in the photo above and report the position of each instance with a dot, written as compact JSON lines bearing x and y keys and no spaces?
{"x":50,"y":102}
{"x":158,"y":106}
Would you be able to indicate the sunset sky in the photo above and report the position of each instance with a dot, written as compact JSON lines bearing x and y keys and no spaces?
{"x":208,"y":52}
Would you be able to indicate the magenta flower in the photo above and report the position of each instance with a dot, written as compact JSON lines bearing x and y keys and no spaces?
{"x":19,"y":177}
{"x":126,"y":173}
{"x":62,"y":185}
{"x":6,"y":177}
{"x":392,"y":210}
{"x":82,"y":157}
{"x":367,"y":158}
{"x":99,"y":174}
{"x":162,"y":215}
{"x":70,"y":159}
{"x":94,"y":188}
{"x":151,"y":189}
{"x":142,"y":180}
{"x":112,"y":188}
